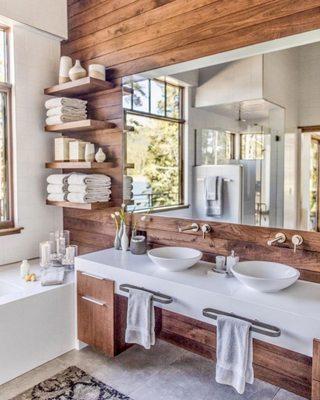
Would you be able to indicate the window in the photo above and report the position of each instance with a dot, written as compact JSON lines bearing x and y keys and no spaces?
{"x":6,"y":200}
{"x":154,"y":109}
{"x":252,"y":146}
{"x":214,"y":147}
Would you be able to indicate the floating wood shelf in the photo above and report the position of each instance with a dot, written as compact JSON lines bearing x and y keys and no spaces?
{"x":81,"y":206}
{"x":79,"y":126}
{"x":78,"y":165}
{"x":79,"y":87}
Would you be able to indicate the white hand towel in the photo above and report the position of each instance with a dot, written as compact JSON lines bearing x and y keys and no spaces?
{"x":57,"y":197}
{"x":58,"y":179}
{"x":214,"y":208}
{"x":61,"y":119}
{"x":210,"y":184}
{"x":140,"y":319}
{"x":66,"y":111}
{"x":85,"y":189}
{"x":87,"y":198}
{"x":52,"y":188}
{"x":92,"y":179}
{"x":65,"y":101}
{"x":234,"y":353}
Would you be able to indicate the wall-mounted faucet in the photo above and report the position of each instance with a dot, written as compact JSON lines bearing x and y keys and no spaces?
{"x":296,"y":240}
{"x":206,"y":228}
{"x":194,"y":227}
{"x":279,"y":238}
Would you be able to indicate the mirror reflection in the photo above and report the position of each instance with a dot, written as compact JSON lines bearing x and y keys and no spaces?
{"x":236,"y":142}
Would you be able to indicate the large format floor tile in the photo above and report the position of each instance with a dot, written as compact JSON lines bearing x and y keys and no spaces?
{"x":163,"y":373}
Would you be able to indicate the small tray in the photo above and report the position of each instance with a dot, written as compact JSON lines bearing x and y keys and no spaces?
{"x":214,"y":270}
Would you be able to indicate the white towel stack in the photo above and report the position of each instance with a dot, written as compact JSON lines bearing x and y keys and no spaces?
{"x":127,"y":187}
{"x":57,"y":187}
{"x":94,"y":188}
{"x":64,"y":109}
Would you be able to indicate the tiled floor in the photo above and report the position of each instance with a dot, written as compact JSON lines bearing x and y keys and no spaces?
{"x":163,"y":373}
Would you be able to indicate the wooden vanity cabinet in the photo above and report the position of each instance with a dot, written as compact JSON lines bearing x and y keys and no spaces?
{"x":95,"y":312}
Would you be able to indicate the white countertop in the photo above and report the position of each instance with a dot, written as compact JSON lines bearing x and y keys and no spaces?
{"x":296,"y":310}
{"x":10,"y":279}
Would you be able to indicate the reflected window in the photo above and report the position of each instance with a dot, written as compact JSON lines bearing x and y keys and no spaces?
{"x":155,"y":145}
{"x":214,"y":146}
{"x":252,"y":146}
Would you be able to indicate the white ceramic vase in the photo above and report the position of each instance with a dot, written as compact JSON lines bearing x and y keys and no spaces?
{"x":100,"y":155}
{"x":89,"y":152}
{"x":65,"y":66}
{"x":124,"y":239}
{"x":77,"y":71}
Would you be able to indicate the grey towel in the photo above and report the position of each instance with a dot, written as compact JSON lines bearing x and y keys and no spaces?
{"x":140,"y":319}
{"x":210,"y":183}
{"x":214,"y":208}
{"x":234,"y":353}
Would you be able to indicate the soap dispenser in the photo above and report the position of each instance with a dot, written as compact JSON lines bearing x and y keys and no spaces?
{"x":231,"y":261}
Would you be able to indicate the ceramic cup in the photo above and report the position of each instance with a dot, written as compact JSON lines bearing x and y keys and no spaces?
{"x":97,"y":71}
{"x":138,"y":244}
{"x":220,"y":262}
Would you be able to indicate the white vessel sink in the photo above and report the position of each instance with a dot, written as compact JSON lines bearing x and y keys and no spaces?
{"x":265,"y":276}
{"x":174,"y":258}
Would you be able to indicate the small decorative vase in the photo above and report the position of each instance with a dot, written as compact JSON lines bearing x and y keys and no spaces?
{"x":97,"y":71}
{"x":120,"y":233}
{"x":77,"y":71}
{"x":116,"y":243}
{"x":124,"y":239}
{"x":100,"y":155}
{"x":89,"y":152}
{"x":65,"y":66}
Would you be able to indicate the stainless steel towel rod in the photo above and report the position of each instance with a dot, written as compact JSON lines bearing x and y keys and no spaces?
{"x":257,"y":326}
{"x":158,"y":297}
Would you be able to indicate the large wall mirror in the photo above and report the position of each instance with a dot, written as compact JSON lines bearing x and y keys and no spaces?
{"x":223,"y":142}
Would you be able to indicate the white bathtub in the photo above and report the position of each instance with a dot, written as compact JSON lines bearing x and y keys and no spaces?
{"x":37,"y":323}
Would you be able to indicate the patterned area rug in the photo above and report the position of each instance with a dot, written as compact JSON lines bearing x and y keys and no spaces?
{"x":71,"y":384}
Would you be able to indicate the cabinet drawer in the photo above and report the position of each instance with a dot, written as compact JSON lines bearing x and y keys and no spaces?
{"x":95,"y":304}
{"x":95,"y":287}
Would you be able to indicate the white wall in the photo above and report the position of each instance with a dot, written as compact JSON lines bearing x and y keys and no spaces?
{"x":231,"y":82}
{"x":47,"y":15}
{"x":35,"y":58}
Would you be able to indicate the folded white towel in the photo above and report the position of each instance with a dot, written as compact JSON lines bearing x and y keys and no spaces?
{"x":65,"y":101}
{"x":87,"y":198}
{"x":52,"y":276}
{"x":52,"y":188}
{"x":85,"y":189}
{"x":140,"y":319}
{"x":66,"y":111}
{"x":58,"y":179}
{"x":234,"y":353}
{"x":57,"y":197}
{"x":61,"y":119}
{"x":88,"y":179}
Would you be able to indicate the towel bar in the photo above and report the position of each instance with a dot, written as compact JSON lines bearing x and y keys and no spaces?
{"x":257,"y":326}
{"x":159,"y":297}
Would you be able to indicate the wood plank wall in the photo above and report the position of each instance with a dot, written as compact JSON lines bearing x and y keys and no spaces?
{"x":131,"y":36}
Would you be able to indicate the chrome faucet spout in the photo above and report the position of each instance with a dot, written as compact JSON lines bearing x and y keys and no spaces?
{"x":193,"y":227}
{"x":279,"y":238}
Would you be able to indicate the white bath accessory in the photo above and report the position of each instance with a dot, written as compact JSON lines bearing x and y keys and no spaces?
{"x":231,"y":261}
{"x":77,"y":71}
{"x":89,"y":152}
{"x":97,"y":71}
{"x":100,"y":155}
{"x":24,"y":268}
{"x":220,"y":263}
{"x":124,"y":239}
{"x":45,"y":250}
{"x":65,"y":66}
{"x":77,"y":150}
